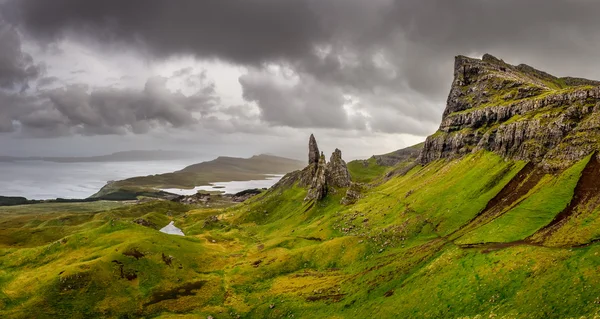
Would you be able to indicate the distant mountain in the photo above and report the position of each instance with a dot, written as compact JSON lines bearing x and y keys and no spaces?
{"x":125,"y":156}
{"x":221,"y":169}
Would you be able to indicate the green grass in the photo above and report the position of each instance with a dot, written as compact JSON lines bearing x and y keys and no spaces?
{"x":277,"y":256}
{"x":365,"y":171}
{"x":543,"y":203}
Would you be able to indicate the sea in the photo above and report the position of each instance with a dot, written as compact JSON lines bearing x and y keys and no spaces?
{"x":49,"y":180}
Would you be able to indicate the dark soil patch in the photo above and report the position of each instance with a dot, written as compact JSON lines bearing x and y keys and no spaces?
{"x":125,"y":274}
{"x":257,"y":263}
{"x":133,"y":252}
{"x":490,"y":247}
{"x":586,"y":191}
{"x":332,"y":298}
{"x":312,"y":238}
{"x":145,"y":223}
{"x":177,"y":292}
{"x":389,"y":293}
{"x":168,"y":260}
{"x":309,"y":207}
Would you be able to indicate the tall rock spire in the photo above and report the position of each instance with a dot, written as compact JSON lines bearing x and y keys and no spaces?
{"x":313,"y":151}
{"x":337,"y":171}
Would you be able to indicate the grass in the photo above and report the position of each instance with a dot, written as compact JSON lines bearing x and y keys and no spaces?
{"x":277,"y":256}
{"x":546,"y":200}
{"x":365,"y":171}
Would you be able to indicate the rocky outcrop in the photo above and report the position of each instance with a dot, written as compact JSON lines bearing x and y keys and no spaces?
{"x":353,"y":193}
{"x":337,"y":171}
{"x":313,"y":151}
{"x":517,"y":112}
{"x":318,"y":185}
{"x":319,"y":176}
{"x":408,"y":154}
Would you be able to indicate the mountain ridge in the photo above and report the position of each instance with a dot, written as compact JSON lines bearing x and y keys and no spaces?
{"x":133,"y":155}
{"x":517,"y":112}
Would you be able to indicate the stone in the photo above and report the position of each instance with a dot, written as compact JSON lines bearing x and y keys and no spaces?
{"x":517,"y":112}
{"x":313,"y":150}
{"x":318,"y":185}
{"x":337,"y":171}
{"x":145,"y":223}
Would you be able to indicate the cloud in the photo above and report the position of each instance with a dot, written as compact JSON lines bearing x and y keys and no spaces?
{"x":78,"y":109}
{"x":46,"y":81}
{"x":352,"y":65}
{"x":251,"y":31}
{"x":296,"y":101}
{"x":17,"y":68}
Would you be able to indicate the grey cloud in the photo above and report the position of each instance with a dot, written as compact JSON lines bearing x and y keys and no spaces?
{"x":17,"y":68}
{"x":48,"y":80}
{"x":77,"y":109}
{"x":250,"y":31}
{"x":183,"y":72}
{"x":394,"y":56}
{"x":302,"y":104}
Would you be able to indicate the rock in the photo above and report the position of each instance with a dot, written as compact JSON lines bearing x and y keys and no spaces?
{"x":313,"y":151}
{"x":408,"y":154}
{"x":245,"y":195}
{"x":198,"y":198}
{"x":337,"y":171}
{"x":319,"y":176}
{"x":210,"y":220}
{"x":318,"y":185}
{"x":352,"y":194}
{"x":517,"y":112}
{"x":145,"y":223}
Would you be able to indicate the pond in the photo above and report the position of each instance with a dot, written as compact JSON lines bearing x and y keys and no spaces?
{"x":172,"y":229}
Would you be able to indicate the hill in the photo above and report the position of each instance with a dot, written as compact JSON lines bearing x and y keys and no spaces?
{"x":221,"y":169}
{"x":125,"y":156}
{"x":488,"y":221}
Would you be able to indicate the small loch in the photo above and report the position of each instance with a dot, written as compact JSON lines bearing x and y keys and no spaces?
{"x":172,"y":230}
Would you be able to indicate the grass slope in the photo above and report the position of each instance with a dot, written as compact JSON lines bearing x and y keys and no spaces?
{"x":390,"y":255}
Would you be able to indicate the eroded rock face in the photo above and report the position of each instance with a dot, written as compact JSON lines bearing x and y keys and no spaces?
{"x":517,"y":112}
{"x":337,"y":171}
{"x":318,"y":186}
{"x":313,"y":151}
{"x":319,"y":176}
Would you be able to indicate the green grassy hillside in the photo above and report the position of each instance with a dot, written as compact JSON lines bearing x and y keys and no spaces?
{"x":474,"y":237}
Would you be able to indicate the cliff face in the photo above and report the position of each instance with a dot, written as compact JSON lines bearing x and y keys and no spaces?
{"x":518,"y":112}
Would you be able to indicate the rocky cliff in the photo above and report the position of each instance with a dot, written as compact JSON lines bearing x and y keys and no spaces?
{"x":319,"y":176}
{"x":518,"y":112}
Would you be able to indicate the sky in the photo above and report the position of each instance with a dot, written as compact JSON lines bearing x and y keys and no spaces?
{"x":244,"y":77}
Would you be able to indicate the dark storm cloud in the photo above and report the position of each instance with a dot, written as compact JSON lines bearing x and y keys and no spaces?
{"x":394,"y":58}
{"x":17,"y":68}
{"x":77,"y":109}
{"x":248,"y":31}
{"x":302,"y":103}
{"x":48,"y":80}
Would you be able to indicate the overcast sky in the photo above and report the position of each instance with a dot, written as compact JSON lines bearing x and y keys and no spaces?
{"x":224,"y":77}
